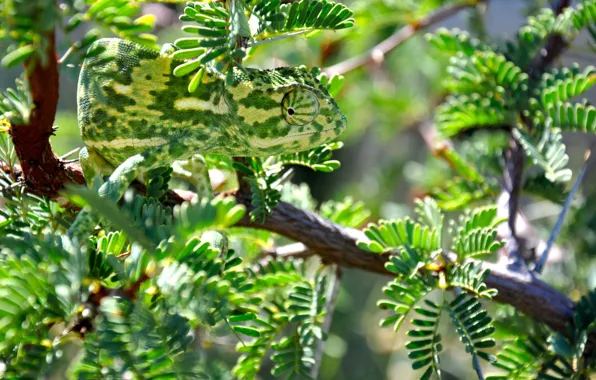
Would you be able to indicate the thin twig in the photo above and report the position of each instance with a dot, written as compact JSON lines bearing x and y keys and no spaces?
{"x":295,"y":250}
{"x":70,"y":50}
{"x":75,"y":150}
{"x":377,"y":53}
{"x":329,"y":309}
{"x":277,"y":38}
{"x":555,"y":232}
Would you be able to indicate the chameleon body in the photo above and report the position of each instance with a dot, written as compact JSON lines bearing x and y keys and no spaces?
{"x":135,"y":115}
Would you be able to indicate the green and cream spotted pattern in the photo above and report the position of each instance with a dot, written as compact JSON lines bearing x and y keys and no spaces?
{"x":130,"y":101}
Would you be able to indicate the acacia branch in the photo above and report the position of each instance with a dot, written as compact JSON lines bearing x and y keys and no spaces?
{"x":41,"y":169}
{"x":337,"y":244}
{"x":516,"y":247}
{"x":377,"y":53}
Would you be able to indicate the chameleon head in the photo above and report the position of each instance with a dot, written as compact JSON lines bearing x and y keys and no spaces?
{"x":284,"y":110}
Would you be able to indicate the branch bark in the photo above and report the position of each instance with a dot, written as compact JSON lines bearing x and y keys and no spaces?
{"x":337,"y":244}
{"x":41,"y":169}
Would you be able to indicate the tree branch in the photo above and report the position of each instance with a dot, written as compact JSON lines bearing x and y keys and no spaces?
{"x":377,"y":53}
{"x":516,"y":246}
{"x":337,"y":244}
{"x":41,"y":169}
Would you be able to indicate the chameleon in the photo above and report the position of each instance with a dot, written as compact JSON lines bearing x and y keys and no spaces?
{"x":135,"y":115}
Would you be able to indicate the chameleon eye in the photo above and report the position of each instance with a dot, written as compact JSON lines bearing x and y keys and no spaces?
{"x":299,"y":107}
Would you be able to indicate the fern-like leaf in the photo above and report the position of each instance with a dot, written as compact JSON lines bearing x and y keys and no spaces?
{"x":562,"y":90}
{"x":463,"y":112}
{"x":471,"y":278}
{"x":389,"y":235}
{"x":16,"y":104}
{"x":476,"y":233}
{"x":454,"y":41}
{"x":253,"y":353}
{"x":573,"y":117}
{"x":301,"y":16}
{"x":291,"y":358}
{"x":317,"y":159}
{"x":430,"y":214}
{"x":529,"y":357}
{"x":584,"y":15}
{"x":404,"y":294}
{"x":458,"y":193}
{"x":548,"y":153}
{"x":473,"y":325}
{"x":346,"y":212}
{"x":426,"y":345}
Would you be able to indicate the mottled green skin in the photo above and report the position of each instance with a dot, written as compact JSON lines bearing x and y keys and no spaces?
{"x":135,"y":115}
{"x":129,"y":92}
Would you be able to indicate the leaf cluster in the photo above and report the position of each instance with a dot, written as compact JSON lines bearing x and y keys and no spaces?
{"x":495,"y":88}
{"x":421,"y":265}
{"x":222,"y":32}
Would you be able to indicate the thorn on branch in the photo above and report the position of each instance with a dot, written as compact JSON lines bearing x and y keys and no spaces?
{"x":555,"y":232}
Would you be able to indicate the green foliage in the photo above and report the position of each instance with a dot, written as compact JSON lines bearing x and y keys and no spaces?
{"x":223,"y":32}
{"x":474,"y":235}
{"x":473,"y":326}
{"x":458,"y":193}
{"x":499,"y":87}
{"x":300,"y":16}
{"x":306,"y":305}
{"x":317,"y":159}
{"x":23,"y":30}
{"x":529,"y":357}
{"x":266,"y":176}
{"x":557,"y":89}
{"x":404,"y":294}
{"x":134,"y":343}
{"x":571,"y":348}
{"x":573,"y":117}
{"x":425,"y":350}
{"x":156,"y":285}
{"x":465,"y":112}
{"x":16,"y":104}
{"x":548,"y":153}
{"x":389,"y":235}
{"x":27,"y":25}
{"x":421,"y":266}
{"x":471,"y":277}
{"x":346,"y":212}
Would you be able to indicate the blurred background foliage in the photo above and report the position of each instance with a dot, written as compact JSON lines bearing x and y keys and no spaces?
{"x":386,"y":162}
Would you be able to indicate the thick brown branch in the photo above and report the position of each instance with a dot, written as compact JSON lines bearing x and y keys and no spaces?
{"x":377,"y":53}
{"x":41,"y":169}
{"x":337,"y":244}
